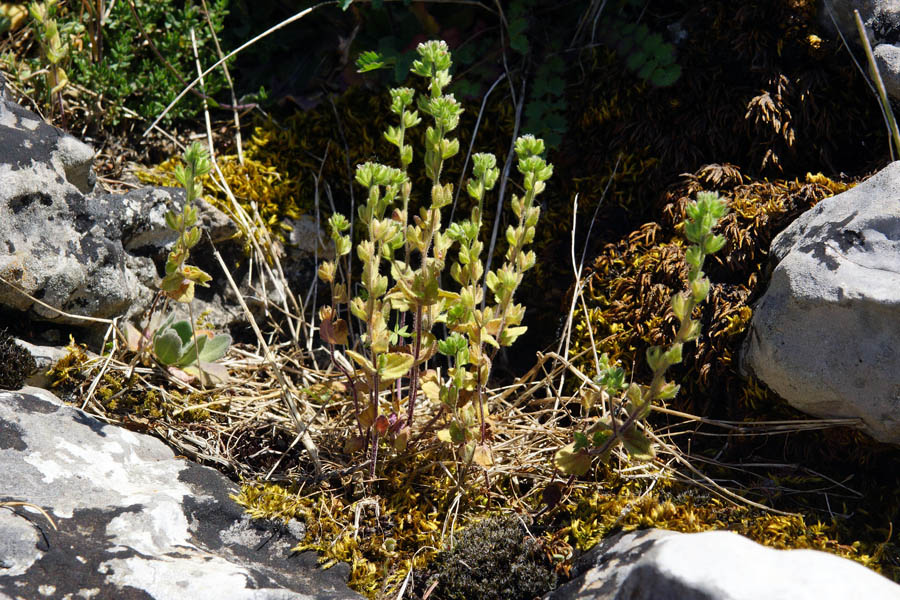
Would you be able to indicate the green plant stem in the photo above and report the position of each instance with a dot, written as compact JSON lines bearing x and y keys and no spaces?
{"x":194,"y":332}
{"x":373,"y":428}
{"x":882,"y":94}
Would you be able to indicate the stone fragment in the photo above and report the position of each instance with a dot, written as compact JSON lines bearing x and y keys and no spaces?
{"x":824,"y":335}
{"x":100,"y":255}
{"x":132,"y":520}
{"x":881,"y":19}
{"x":653,"y":564}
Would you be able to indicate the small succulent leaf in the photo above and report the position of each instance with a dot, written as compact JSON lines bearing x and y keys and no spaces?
{"x":198,"y":276}
{"x":188,"y":352}
{"x":381,"y":425}
{"x":601,"y":437}
{"x":444,"y":436}
{"x":172,"y":220}
{"x":180,"y":374}
{"x":468,"y":452}
{"x":133,"y":337}
{"x":215,"y":348}
{"x":680,"y":305}
{"x":457,"y":433}
{"x":367,"y":416}
{"x":431,"y":385}
{"x":394,"y":365}
{"x":193,"y":237}
{"x":668,"y":391}
{"x":633,"y":394}
{"x":184,"y":330}
{"x":209,"y":373}
{"x":333,"y":332}
{"x":401,"y":440}
{"x":581,"y":441}
{"x":362,"y":361}
{"x":509,"y":335}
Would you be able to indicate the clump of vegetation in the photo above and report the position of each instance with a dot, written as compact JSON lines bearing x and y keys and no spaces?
{"x":415,"y":254}
{"x":16,"y":363}
{"x":176,"y":344}
{"x":631,"y":282}
{"x":131,"y":61}
{"x":495,"y":559}
{"x":610,"y":430}
{"x":54,"y":40}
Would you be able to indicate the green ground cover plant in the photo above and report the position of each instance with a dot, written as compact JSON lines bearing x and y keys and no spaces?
{"x":131,"y":64}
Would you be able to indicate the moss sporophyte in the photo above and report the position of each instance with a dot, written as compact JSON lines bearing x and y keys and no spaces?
{"x":415,"y":252}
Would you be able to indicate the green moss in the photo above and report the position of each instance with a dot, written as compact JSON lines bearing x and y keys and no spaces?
{"x":122,"y":396}
{"x":494,"y":559}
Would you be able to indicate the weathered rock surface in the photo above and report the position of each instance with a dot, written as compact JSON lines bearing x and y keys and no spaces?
{"x":881,"y":19}
{"x":95,"y":254}
{"x":824,"y":335}
{"x":715,"y":565}
{"x":133,"y":521}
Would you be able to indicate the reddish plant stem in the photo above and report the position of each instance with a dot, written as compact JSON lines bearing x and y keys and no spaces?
{"x":414,"y":375}
{"x":352,"y":387}
{"x":374,"y":430}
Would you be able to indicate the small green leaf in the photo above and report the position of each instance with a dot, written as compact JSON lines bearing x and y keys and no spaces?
{"x":362,"y":361}
{"x":667,"y":75}
{"x":581,"y":441}
{"x":573,"y":462}
{"x":369,"y":60}
{"x":167,"y":347}
{"x":215,"y":348}
{"x":600,"y":437}
{"x":457,"y":433}
{"x":394,"y":365}
{"x":638,"y":445}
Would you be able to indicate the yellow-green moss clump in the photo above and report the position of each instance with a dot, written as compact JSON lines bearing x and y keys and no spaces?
{"x":124,"y":398}
{"x":596,"y":515}
{"x":630,"y":284}
{"x":382,"y":537}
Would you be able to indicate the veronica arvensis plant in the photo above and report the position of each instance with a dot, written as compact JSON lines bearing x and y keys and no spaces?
{"x":634,"y":402}
{"x":404,"y":258}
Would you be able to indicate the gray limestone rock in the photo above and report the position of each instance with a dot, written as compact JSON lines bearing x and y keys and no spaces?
{"x":100,"y":255}
{"x":824,"y":334}
{"x":132,"y":520}
{"x":31,"y":144}
{"x":881,"y":19}
{"x":715,"y":565}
